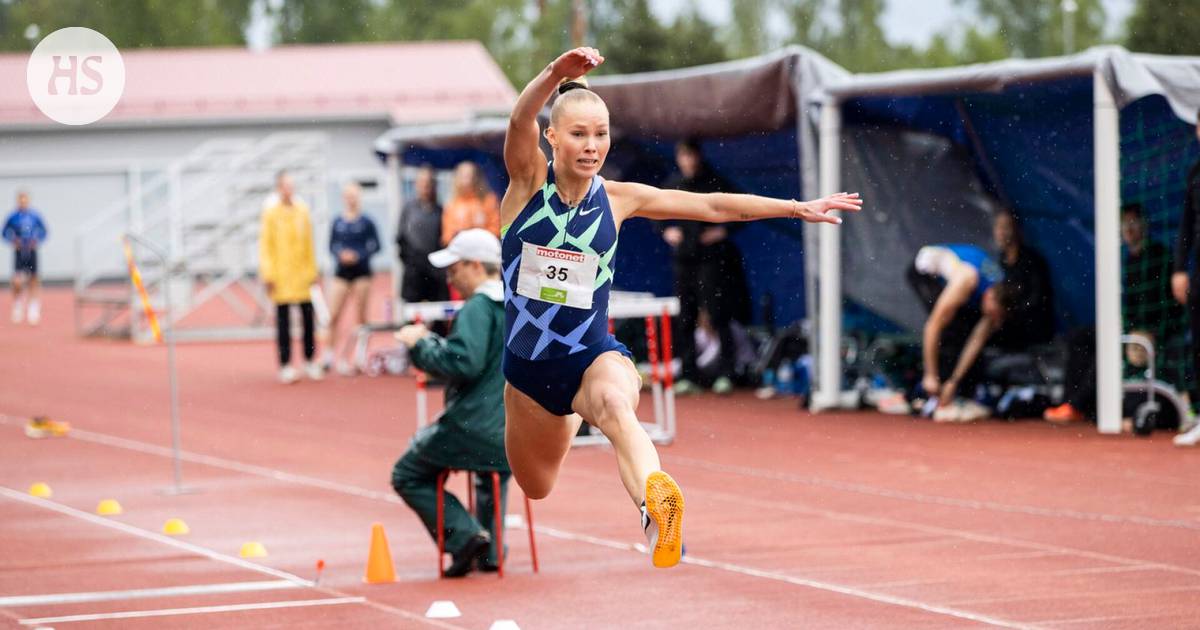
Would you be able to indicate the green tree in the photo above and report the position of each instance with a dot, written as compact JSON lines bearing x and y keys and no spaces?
{"x":322,"y":22}
{"x":632,"y":38}
{"x":1034,"y":28}
{"x":693,"y":41}
{"x":1168,"y":27}
{"x":130,"y":23}
{"x":747,"y":34}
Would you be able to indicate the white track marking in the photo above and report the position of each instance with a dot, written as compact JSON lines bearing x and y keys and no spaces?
{"x":199,"y":610}
{"x":971,"y":504}
{"x":148,"y":535}
{"x":53,"y":599}
{"x":389,"y":498}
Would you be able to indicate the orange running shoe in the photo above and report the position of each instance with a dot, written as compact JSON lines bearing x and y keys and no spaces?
{"x":1063,"y":414}
{"x":662,"y":519}
{"x":43,"y":427}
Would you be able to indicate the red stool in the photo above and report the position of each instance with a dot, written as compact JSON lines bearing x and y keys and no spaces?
{"x":499,"y":516}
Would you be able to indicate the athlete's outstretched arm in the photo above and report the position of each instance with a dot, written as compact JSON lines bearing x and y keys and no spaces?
{"x":637,"y":200}
{"x":522,"y":156}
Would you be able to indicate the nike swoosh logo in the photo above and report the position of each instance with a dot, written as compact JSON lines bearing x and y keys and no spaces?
{"x":589,"y":211}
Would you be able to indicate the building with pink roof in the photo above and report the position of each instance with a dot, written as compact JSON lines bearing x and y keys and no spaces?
{"x":176,"y":99}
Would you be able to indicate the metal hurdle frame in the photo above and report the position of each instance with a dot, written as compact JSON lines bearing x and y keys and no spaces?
{"x":623,"y":305}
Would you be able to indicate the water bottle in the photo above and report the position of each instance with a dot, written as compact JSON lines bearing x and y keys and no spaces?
{"x":784,"y":376}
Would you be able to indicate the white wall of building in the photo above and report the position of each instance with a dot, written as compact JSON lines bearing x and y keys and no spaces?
{"x":72,"y":174}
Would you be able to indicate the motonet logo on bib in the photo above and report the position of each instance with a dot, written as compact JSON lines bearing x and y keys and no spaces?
{"x":75,"y":76}
{"x":559,"y":254}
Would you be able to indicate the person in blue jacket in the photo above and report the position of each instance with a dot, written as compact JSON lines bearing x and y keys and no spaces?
{"x":25,"y":231}
{"x":353,"y":241}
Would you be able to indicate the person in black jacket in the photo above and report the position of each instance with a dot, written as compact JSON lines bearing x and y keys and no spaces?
{"x":1030,"y":318}
{"x":418,"y":235}
{"x":708,"y":275}
{"x":1185,"y":253}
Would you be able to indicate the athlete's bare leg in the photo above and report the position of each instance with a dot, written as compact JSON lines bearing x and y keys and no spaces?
{"x":536,"y":441}
{"x":607,"y":400}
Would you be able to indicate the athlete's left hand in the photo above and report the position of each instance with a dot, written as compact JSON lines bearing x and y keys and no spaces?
{"x":817,"y":210}
{"x":411,"y":334}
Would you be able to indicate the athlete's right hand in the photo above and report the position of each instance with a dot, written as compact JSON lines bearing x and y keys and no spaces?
{"x":576,"y":63}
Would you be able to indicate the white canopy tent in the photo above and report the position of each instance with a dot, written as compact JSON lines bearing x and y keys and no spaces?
{"x":1119,"y":78}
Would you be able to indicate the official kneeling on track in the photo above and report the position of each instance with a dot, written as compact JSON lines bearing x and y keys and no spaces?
{"x":469,"y":435}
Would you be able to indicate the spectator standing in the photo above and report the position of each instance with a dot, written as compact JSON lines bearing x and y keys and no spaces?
{"x":287,"y":265}
{"x":353,"y":240}
{"x":1185,"y":259}
{"x":418,"y":235}
{"x":708,"y":274}
{"x":473,"y":204}
{"x":25,"y":231}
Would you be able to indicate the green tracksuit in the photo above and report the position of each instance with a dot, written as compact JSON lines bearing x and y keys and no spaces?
{"x":469,"y":434}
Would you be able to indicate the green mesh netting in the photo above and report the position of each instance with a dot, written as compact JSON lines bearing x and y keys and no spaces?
{"x":1157,"y":151}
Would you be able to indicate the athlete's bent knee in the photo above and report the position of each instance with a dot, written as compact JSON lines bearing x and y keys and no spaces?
{"x":534,"y":486}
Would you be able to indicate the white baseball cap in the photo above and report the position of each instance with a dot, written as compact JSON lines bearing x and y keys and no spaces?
{"x":474,"y":244}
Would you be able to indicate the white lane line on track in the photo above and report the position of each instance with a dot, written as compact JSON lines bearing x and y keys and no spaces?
{"x":199,"y":610}
{"x":54,"y":599}
{"x":933,"y":499}
{"x":154,"y":536}
{"x":788,"y":579}
{"x":562,"y":534}
{"x":945,"y":531}
{"x":215,"y":555}
{"x":333,"y":486}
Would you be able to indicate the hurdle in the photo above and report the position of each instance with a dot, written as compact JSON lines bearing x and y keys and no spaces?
{"x":656,"y":311}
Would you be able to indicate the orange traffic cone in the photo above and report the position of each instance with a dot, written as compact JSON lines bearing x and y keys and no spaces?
{"x":379,"y":561}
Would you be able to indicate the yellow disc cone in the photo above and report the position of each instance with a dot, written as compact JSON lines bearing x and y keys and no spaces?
{"x":253,"y":550}
{"x":175,"y":527}
{"x":109,"y":507}
{"x":41,"y":490}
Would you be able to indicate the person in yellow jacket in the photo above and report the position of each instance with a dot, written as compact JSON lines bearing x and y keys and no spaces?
{"x":287,"y":265}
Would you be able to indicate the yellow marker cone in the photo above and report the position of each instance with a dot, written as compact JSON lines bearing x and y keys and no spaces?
{"x":41,"y":490}
{"x":109,"y":507}
{"x":175,"y":527}
{"x":253,"y":550}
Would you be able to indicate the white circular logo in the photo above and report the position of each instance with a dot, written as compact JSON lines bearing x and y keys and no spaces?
{"x":75,"y":76}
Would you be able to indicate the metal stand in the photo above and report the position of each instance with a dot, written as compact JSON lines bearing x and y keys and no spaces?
{"x":172,"y":377}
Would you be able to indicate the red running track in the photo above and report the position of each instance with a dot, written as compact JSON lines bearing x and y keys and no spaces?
{"x":794,"y":520}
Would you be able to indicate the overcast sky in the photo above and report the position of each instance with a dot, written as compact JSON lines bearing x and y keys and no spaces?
{"x":905,"y":21}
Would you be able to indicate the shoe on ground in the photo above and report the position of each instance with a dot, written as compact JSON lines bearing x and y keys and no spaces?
{"x":18,"y":312}
{"x":1063,"y":414}
{"x":475,"y":550}
{"x":895,"y":404}
{"x":948,"y":413}
{"x":35,"y":313}
{"x":43,"y":427}
{"x":313,"y":371}
{"x":662,"y":519}
{"x":345,"y":369}
{"x":722,"y":386}
{"x":686,"y":388}
{"x":288,"y":375}
{"x":970,"y":411}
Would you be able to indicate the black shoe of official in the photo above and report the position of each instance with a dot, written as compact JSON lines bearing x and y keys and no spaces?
{"x":474,"y":551}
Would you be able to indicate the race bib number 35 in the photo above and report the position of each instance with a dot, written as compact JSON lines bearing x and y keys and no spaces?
{"x":557,"y":276}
